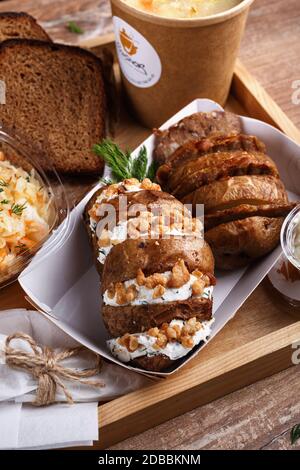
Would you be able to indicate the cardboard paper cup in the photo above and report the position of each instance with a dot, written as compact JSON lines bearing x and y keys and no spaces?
{"x":166,"y":62}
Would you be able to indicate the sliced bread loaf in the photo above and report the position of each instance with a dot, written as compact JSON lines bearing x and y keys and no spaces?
{"x":15,"y":25}
{"x":55,"y":97}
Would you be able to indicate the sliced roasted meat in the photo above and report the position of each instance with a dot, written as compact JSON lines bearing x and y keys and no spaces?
{"x":235,"y":191}
{"x":194,"y":149}
{"x":189,"y":176}
{"x":213,"y":144}
{"x":237,"y":243}
{"x":206,"y":160}
{"x":244,"y":211}
{"x":193,"y":127}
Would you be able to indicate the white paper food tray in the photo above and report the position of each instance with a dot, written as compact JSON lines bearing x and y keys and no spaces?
{"x":65,"y":286}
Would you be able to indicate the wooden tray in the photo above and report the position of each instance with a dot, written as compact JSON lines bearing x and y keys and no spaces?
{"x":256,"y":343}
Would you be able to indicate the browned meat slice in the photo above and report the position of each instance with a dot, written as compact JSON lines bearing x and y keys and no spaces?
{"x":193,"y":174}
{"x":213,"y":144}
{"x":237,"y":243}
{"x":244,"y":211}
{"x":234,"y":191}
{"x":194,"y":127}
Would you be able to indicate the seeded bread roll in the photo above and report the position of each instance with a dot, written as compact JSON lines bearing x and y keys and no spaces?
{"x":156,"y":286}
{"x":55,"y":100}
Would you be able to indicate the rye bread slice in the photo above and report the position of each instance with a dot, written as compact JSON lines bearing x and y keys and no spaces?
{"x":55,"y":97}
{"x":15,"y":25}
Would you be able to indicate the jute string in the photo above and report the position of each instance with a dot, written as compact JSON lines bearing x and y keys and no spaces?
{"x":44,"y":365}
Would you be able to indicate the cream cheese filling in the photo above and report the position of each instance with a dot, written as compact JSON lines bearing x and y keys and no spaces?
{"x":114,"y":190}
{"x":106,"y":196}
{"x":173,"y":350}
{"x":171,"y":294}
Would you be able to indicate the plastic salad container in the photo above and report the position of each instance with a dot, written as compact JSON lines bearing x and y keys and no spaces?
{"x":32,"y":206}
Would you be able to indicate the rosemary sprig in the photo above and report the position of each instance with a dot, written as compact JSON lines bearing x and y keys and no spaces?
{"x":122,"y":164}
{"x":17,"y":209}
{"x":74,"y":28}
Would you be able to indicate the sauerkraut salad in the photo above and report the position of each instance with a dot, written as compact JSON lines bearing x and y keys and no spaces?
{"x":24,"y":213}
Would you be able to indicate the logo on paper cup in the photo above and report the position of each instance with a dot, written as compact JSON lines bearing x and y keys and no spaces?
{"x":127,"y":43}
{"x":138,"y":59}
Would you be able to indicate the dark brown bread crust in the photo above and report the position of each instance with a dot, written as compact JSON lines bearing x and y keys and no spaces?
{"x":15,"y":25}
{"x":196,"y":126}
{"x":138,"y":318}
{"x":63,"y":130}
{"x":153,"y":256}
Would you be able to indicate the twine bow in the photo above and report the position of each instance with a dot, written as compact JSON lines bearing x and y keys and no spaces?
{"x":44,"y":365}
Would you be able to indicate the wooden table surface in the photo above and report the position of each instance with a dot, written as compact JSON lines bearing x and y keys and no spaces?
{"x":259,"y":416}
